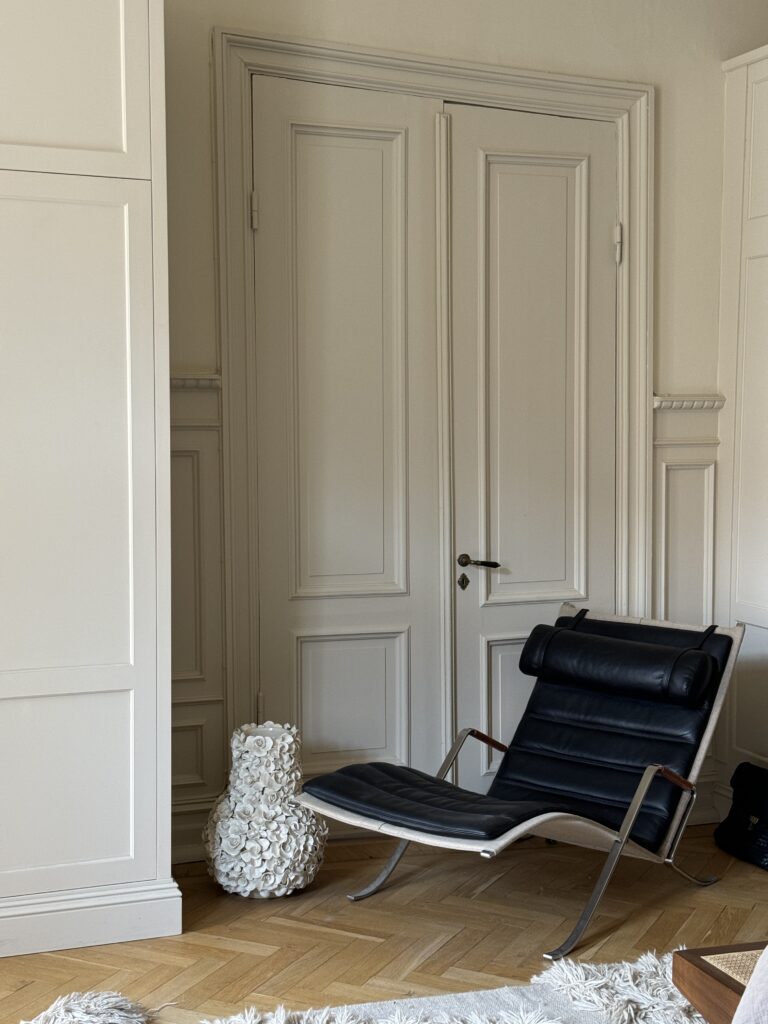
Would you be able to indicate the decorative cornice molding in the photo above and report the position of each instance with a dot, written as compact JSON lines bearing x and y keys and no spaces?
{"x":416,"y":74}
{"x":688,"y":403}
{"x":196,"y":382}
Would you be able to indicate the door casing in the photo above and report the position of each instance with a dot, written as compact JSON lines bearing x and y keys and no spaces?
{"x":238,"y":56}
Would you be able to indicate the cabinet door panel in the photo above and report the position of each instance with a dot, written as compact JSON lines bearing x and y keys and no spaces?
{"x":77,"y":533}
{"x":76,"y":88}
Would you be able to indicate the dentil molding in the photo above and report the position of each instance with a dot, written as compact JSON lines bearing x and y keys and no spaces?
{"x":196,"y":382}
{"x":688,"y":403}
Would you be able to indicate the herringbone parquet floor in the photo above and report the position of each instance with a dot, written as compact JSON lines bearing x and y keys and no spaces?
{"x":447,"y":922}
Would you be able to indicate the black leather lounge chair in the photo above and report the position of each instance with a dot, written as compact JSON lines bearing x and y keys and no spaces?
{"x":605,"y":756}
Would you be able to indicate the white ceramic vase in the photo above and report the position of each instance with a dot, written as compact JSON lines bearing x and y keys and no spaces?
{"x":258,"y":840}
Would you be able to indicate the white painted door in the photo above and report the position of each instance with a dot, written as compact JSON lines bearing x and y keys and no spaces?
{"x":346,"y":417}
{"x":534,"y":206}
{"x":349,"y":627}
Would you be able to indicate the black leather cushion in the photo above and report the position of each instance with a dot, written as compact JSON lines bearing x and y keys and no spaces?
{"x":404,"y":796}
{"x":590,"y":746}
{"x":632,"y":669}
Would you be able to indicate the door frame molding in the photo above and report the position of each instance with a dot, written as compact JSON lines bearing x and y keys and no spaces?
{"x":237,"y":57}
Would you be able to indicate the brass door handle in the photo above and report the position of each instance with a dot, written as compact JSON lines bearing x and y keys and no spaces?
{"x":464,"y":560}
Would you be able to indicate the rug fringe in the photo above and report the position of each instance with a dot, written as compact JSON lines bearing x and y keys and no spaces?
{"x":640,"y":992}
{"x":344,"y":1015}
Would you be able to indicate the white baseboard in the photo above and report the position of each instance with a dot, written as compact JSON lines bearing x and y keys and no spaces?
{"x":89,"y":917}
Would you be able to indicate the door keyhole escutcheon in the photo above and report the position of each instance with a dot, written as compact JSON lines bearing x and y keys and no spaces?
{"x":463,"y":581}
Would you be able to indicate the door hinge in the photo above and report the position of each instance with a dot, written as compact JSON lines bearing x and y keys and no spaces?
{"x":255,"y":211}
{"x":259,"y":707}
{"x":618,"y":241}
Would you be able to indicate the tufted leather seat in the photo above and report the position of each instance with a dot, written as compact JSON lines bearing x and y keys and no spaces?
{"x":407,"y":797}
{"x":610,"y":699}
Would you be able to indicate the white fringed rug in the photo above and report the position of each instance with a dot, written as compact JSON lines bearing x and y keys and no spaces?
{"x":568,"y":992}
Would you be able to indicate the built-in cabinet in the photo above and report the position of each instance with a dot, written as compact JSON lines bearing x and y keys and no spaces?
{"x":742,"y":513}
{"x":84,"y":520}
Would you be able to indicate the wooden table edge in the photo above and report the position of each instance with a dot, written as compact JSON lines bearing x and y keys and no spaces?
{"x":718,"y":1000}
{"x":696,"y":958}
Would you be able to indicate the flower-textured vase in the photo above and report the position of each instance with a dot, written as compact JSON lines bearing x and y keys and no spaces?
{"x":258,"y":840}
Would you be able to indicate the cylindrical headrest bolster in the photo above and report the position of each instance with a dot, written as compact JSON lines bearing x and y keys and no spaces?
{"x":628,"y":667}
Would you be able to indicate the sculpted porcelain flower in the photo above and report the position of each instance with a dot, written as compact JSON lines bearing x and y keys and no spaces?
{"x":257,"y":840}
{"x":245,"y":811}
{"x":260,"y":744}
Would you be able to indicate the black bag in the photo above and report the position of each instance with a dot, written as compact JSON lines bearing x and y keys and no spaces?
{"x":744,"y":833}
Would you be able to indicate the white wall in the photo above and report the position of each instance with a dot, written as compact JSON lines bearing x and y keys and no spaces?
{"x":676,"y":45}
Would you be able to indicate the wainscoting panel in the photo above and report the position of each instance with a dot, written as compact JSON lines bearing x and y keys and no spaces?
{"x":338,"y":674}
{"x":506,"y":691}
{"x":198,"y":659}
{"x":685,"y":478}
{"x":685,"y":497}
{"x":201,"y":705}
{"x":199,"y":752}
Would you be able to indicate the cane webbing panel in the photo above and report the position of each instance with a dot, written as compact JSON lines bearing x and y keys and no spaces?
{"x":738,"y":966}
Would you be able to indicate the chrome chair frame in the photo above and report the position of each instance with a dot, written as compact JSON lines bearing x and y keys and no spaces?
{"x":441,"y":773}
{"x":562,"y":826}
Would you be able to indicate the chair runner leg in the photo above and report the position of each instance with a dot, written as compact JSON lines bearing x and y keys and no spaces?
{"x":709,"y":880}
{"x":597,"y":894}
{"x":383,"y":875}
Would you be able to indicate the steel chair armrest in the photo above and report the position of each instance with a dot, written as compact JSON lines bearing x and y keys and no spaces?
{"x":458,"y":743}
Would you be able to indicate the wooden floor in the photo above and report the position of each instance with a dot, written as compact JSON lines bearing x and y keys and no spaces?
{"x":447,"y":922}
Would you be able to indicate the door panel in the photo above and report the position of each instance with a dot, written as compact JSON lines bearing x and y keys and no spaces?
{"x":78,"y":659}
{"x":533,"y":292}
{"x":348,"y":284}
{"x":346,"y":421}
{"x":76,"y":75}
{"x":530,"y":401}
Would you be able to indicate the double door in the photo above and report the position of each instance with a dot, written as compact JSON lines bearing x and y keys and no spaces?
{"x":359,"y":642}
